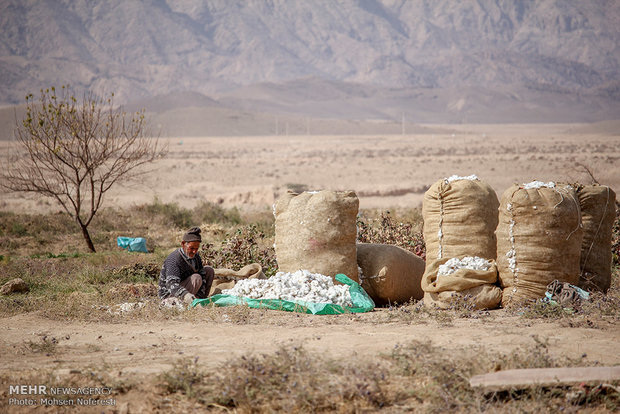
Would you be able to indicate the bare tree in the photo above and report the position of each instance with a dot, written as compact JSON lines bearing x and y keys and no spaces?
{"x":75,"y":151}
{"x":581,"y":167}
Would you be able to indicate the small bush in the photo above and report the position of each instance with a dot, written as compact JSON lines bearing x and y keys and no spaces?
{"x":170,"y":212}
{"x":296,"y":187}
{"x":138,"y":272}
{"x":184,"y":377}
{"x":386,"y":230}
{"x":542,"y":309}
{"x":291,"y":380}
{"x":207,"y":212}
{"x":183,"y":218}
{"x":244,"y":246}
{"x":46,"y":346}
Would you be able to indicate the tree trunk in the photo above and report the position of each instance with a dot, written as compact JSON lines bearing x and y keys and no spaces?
{"x":87,"y":238}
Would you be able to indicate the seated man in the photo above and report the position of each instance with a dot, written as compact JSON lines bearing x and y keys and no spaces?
{"x":183,"y":276}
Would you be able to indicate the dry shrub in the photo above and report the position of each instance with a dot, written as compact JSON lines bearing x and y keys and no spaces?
{"x":605,"y":305}
{"x":289,"y":380}
{"x":138,"y":271}
{"x":184,"y":377}
{"x":133,"y":290}
{"x":182,"y":218}
{"x":245,"y":246}
{"x":386,"y":230}
{"x":599,"y":306}
{"x":439,"y":379}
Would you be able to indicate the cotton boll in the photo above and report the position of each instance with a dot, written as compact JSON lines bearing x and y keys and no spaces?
{"x":469,"y":262}
{"x":301,"y":285}
{"x":538,"y":184}
{"x":455,"y":177}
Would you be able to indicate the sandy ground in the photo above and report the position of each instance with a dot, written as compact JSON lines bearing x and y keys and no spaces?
{"x":385,"y":171}
{"x":138,"y":347}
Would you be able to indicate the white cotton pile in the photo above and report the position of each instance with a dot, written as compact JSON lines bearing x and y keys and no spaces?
{"x":511,"y":255}
{"x":469,"y":262}
{"x":455,"y":177}
{"x":301,"y":285}
{"x":538,"y":184}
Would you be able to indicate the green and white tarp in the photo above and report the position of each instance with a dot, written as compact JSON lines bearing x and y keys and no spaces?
{"x":361,"y":302}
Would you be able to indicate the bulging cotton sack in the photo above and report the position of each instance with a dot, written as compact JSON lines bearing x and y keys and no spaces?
{"x":389,"y":274}
{"x":460,"y":217}
{"x":477,"y":284}
{"x":317,"y":231}
{"x":598,"y":213}
{"x":538,"y":239}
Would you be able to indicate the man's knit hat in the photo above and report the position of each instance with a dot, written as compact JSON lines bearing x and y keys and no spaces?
{"x":192,"y":235}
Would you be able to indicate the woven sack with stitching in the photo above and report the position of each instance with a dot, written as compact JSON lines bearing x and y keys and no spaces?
{"x":598,"y":213}
{"x":538,"y":240}
{"x":389,"y":274}
{"x":317,"y":231}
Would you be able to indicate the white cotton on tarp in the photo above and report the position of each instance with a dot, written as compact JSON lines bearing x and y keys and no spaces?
{"x":301,"y":285}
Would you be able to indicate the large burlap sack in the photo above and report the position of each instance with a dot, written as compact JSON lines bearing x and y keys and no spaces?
{"x":226,"y":278}
{"x":538,"y":240}
{"x":389,"y":274}
{"x":316,"y":231}
{"x":598,"y":213}
{"x":477,"y":286}
{"x":460,"y":218}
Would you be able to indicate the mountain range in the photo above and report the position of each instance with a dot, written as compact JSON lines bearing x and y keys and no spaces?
{"x":414,"y":61}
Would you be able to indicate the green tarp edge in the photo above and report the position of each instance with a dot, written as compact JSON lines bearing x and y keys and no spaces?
{"x":361,"y":302}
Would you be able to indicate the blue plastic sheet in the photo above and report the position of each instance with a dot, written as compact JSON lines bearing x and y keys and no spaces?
{"x":361,"y":302}
{"x":133,"y":244}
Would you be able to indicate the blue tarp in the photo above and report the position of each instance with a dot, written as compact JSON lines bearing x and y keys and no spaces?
{"x":133,"y":244}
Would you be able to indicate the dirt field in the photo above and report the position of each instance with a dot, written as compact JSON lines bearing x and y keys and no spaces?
{"x":138,"y":353}
{"x":152,"y":347}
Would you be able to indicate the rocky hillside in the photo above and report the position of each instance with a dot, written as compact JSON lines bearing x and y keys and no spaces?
{"x":431,"y":60}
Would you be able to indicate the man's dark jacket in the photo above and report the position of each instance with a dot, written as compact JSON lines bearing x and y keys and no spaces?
{"x":178,"y":267}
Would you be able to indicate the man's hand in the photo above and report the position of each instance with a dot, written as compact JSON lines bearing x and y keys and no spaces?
{"x":188,"y":298}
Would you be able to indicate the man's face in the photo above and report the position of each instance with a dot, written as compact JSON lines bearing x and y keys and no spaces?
{"x":190,"y":248}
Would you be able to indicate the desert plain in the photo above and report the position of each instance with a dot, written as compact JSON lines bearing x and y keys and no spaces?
{"x":386,"y":171}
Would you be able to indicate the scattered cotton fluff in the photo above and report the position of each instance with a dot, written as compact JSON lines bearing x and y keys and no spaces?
{"x":538,"y":184}
{"x":301,"y":285}
{"x":469,"y":262}
{"x":127,"y":307}
{"x":440,"y":232}
{"x":455,"y":177}
{"x":511,"y":255}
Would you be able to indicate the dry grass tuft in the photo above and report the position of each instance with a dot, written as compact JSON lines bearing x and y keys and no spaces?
{"x":413,"y":377}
